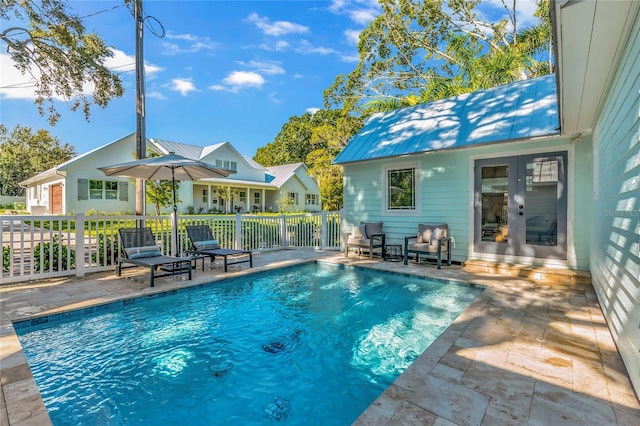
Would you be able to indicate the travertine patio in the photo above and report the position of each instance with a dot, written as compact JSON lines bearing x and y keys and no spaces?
{"x":525,"y":352}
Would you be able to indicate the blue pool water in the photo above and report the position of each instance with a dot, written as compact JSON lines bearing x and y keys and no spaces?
{"x":312,"y":344}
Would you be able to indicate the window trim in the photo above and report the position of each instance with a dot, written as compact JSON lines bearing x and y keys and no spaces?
{"x":416,"y":210}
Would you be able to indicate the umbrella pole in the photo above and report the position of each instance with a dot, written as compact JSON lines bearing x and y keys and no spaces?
{"x":175,"y":213}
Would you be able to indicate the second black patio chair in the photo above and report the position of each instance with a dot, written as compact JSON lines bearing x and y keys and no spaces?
{"x":204,"y":243}
{"x":140,"y":249}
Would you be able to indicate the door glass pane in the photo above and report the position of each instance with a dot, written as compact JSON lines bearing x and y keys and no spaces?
{"x":542,"y":202}
{"x":495,"y":191}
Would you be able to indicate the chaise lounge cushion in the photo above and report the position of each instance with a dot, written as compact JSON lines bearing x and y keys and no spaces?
{"x":206,"y":245}
{"x":142,"y":252}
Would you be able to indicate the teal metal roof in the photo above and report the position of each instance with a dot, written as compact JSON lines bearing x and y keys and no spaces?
{"x":520,"y":110}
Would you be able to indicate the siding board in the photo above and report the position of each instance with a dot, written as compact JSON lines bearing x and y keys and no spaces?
{"x":615,"y":247}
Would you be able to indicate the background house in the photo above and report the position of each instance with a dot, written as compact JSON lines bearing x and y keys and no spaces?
{"x":563,"y":148}
{"x":78,"y":186}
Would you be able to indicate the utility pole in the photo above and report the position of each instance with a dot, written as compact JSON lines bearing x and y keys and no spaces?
{"x":141,"y":139}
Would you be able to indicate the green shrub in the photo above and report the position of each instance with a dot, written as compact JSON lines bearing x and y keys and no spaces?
{"x":66,"y":261}
{"x":6,"y":258}
{"x":107,"y":249}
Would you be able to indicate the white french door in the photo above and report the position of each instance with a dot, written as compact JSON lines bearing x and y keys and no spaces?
{"x":520,"y":205}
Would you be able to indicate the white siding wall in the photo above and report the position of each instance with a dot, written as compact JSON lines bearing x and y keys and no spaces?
{"x":87,"y":168}
{"x":615,"y":247}
{"x":446,"y":194}
{"x":244,"y":172}
{"x":312,"y":188}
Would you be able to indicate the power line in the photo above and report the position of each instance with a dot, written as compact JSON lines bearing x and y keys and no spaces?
{"x":72,"y":20}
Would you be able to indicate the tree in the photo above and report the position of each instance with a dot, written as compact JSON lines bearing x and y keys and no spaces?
{"x":52,"y":46}
{"x":315,"y":140}
{"x":160,"y":192}
{"x":227,"y":194}
{"x":24,"y":154}
{"x":423,"y":50}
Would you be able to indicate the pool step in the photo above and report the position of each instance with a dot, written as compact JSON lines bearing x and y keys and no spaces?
{"x":538,"y":274}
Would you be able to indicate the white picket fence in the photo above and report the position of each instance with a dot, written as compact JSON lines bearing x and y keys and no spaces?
{"x":35,"y":247}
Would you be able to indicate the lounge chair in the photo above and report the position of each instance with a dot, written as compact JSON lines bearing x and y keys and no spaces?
{"x":431,"y":240}
{"x":203,"y":243}
{"x":367,"y":235}
{"x":140,"y":249}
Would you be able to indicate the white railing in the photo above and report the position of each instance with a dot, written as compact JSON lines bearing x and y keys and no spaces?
{"x":36,"y":247}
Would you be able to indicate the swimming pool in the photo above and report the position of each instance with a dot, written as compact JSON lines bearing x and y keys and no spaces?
{"x":311,"y":344}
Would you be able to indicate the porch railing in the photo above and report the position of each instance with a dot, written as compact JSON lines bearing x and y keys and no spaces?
{"x":36,"y":247}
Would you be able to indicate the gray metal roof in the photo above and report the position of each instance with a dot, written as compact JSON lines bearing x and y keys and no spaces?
{"x":282,"y":173}
{"x":188,"y":151}
{"x":520,"y":110}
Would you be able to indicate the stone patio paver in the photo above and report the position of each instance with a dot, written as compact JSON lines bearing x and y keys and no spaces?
{"x":524,"y":352}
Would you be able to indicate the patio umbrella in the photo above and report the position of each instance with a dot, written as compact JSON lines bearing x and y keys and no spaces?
{"x":166,"y":167}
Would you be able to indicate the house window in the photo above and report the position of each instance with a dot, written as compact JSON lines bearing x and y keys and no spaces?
{"x":312,"y":199}
{"x":111,"y":190}
{"x":401,"y":189}
{"x":204,"y":196}
{"x":293,"y":196}
{"x":103,"y":190}
{"x":256,"y":198}
{"x":243,"y":196}
{"x":234,"y":166}
{"x":219,"y":164}
{"x":95,"y":189}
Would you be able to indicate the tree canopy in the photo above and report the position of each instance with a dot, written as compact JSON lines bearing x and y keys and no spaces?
{"x":315,"y":140}
{"x":418,"y":51}
{"x":51,"y":44}
{"x":24,"y":154}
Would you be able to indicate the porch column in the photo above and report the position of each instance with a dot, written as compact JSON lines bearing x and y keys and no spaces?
{"x":247,"y":201}
{"x":209,"y":188}
{"x":262,"y":207}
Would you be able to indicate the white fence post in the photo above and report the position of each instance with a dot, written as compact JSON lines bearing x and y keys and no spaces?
{"x":80,"y":244}
{"x":238,"y":242}
{"x":323,"y":230}
{"x":283,"y":231}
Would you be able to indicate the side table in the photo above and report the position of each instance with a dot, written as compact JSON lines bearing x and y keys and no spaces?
{"x":393,"y":252}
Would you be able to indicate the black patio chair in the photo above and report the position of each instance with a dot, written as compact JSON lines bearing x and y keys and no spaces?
{"x":140,"y":249}
{"x":204,"y":243}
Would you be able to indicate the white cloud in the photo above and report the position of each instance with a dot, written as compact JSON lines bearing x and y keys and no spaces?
{"x":121,"y":62}
{"x":237,"y":80}
{"x":306,"y":48}
{"x":278,"y":46}
{"x":312,"y":110}
{"x":265,"y":67}
{"x":182,"y":85}
{"x":359,"y":11}
{"x":16,"y":85}
{"x":188,"y":37}
{"x":186,"y":43}
{"x":350,"y":58}
{"x":155,"y":95}
{"x":352,"y":36}
{"x":363,"y":16}
{"x":276,"y":28}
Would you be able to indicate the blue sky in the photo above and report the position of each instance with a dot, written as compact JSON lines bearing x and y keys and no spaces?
{"x":224,"y":71}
